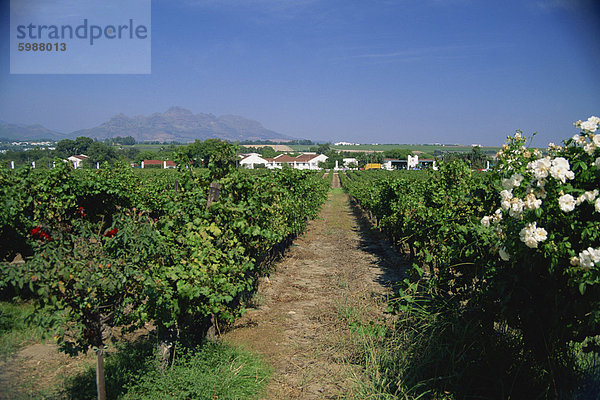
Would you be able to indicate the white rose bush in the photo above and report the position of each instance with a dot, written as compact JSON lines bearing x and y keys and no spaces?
{"x":505,"y":265}
{"x":547,"y":279}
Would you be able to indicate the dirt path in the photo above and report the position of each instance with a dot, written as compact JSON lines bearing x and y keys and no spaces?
{"x":334,"y":273}
{"x":36,"y":369}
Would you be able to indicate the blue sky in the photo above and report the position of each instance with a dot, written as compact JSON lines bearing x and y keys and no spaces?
{"x":385,"y":71}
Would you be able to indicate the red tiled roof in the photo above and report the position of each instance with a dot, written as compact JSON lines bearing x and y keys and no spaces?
{"x":302,"y":158}
{"x":160,"y":162}
{"x":285,"y":158}
{"x":305,"y":157}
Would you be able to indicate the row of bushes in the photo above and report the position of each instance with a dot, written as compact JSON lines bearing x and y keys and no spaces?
{"x":112,"y":248}
{"x":505,"y":273}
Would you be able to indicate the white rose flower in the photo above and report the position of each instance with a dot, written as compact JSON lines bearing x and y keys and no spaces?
{"x":540,"y":168}
{"x":578,"y":138}
{"x":574,"y":261}
{"x":516,"y":179}
{"x":561,"y":162}
{"x":531,"y":235}
{"x":597,"y":205}
{"x":589,"y":126}
{"x":597,"y":162}
{"x":560,"y":169}
{"x":540,"y":234}
{"x":506,"y":194}
{"x":516,"y":208}
{"x":589,"y":148}
{"x":504,"y":254}
{"x":507,"y":184}
{"x":596,"y":140}
{"x":580,"y":200}
{"x":485,"y":221}
{"x":528,"y":240}
{"x":566,"y":203}
{"x":589,"y":257}
{"x":595,"y":255}
{"x":590,"y":195}
{"x":531,"y":202}
{"x":594,"y":120}
{"x":497,"y":217}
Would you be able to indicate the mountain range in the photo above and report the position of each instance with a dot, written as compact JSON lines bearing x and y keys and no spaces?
{"x":176,"y":124}
{"x":28,"y":132}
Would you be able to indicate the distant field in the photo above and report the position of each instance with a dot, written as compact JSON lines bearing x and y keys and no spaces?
{"x":301,"y":147}
{"x":276,"y":147}
{"x":418,"y":147}
{"x":361,"y":147}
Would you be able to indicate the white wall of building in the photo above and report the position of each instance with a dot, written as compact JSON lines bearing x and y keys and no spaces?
{"x":252,"y":160}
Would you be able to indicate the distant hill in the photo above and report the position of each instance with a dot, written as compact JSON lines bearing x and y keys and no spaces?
{"x":19,"y":132}
{"x":176,"y":124}
{"x":180,"y":125}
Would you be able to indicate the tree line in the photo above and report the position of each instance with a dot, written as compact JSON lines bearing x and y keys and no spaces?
{"x":121,"y":148}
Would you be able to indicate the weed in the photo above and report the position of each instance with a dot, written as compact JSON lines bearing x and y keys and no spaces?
{"x":15,"y":330}
{"x":211,"y":371}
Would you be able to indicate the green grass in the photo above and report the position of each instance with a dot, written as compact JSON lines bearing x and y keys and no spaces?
{"x":212,"y":371}
{"x":207,"y":372}
{"x":15,"y":330}
{"x":451,"y":356}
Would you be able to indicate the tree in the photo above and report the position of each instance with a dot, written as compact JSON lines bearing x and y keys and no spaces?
{"x":475,"y":158}
{"x":67,"y":147}
{"x":214,"y":153}
{"x":398,"y":154}
{"x":98,"y":152}
{"x":146,"y":155}
{"x":128,"y":153}
{"x":89,"y":278}
{"x":332,"y":157}
{"x":267,"y":152}
{"x":82,"y":144}
{"x":127,"y":141}
{"x":222,"y":160}
{"x":324,"y":148}
{"x":369,"y":158}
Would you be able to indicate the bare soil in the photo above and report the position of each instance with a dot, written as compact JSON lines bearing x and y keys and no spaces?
{"x":37,"y":370}
{"x":339,"y":267}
